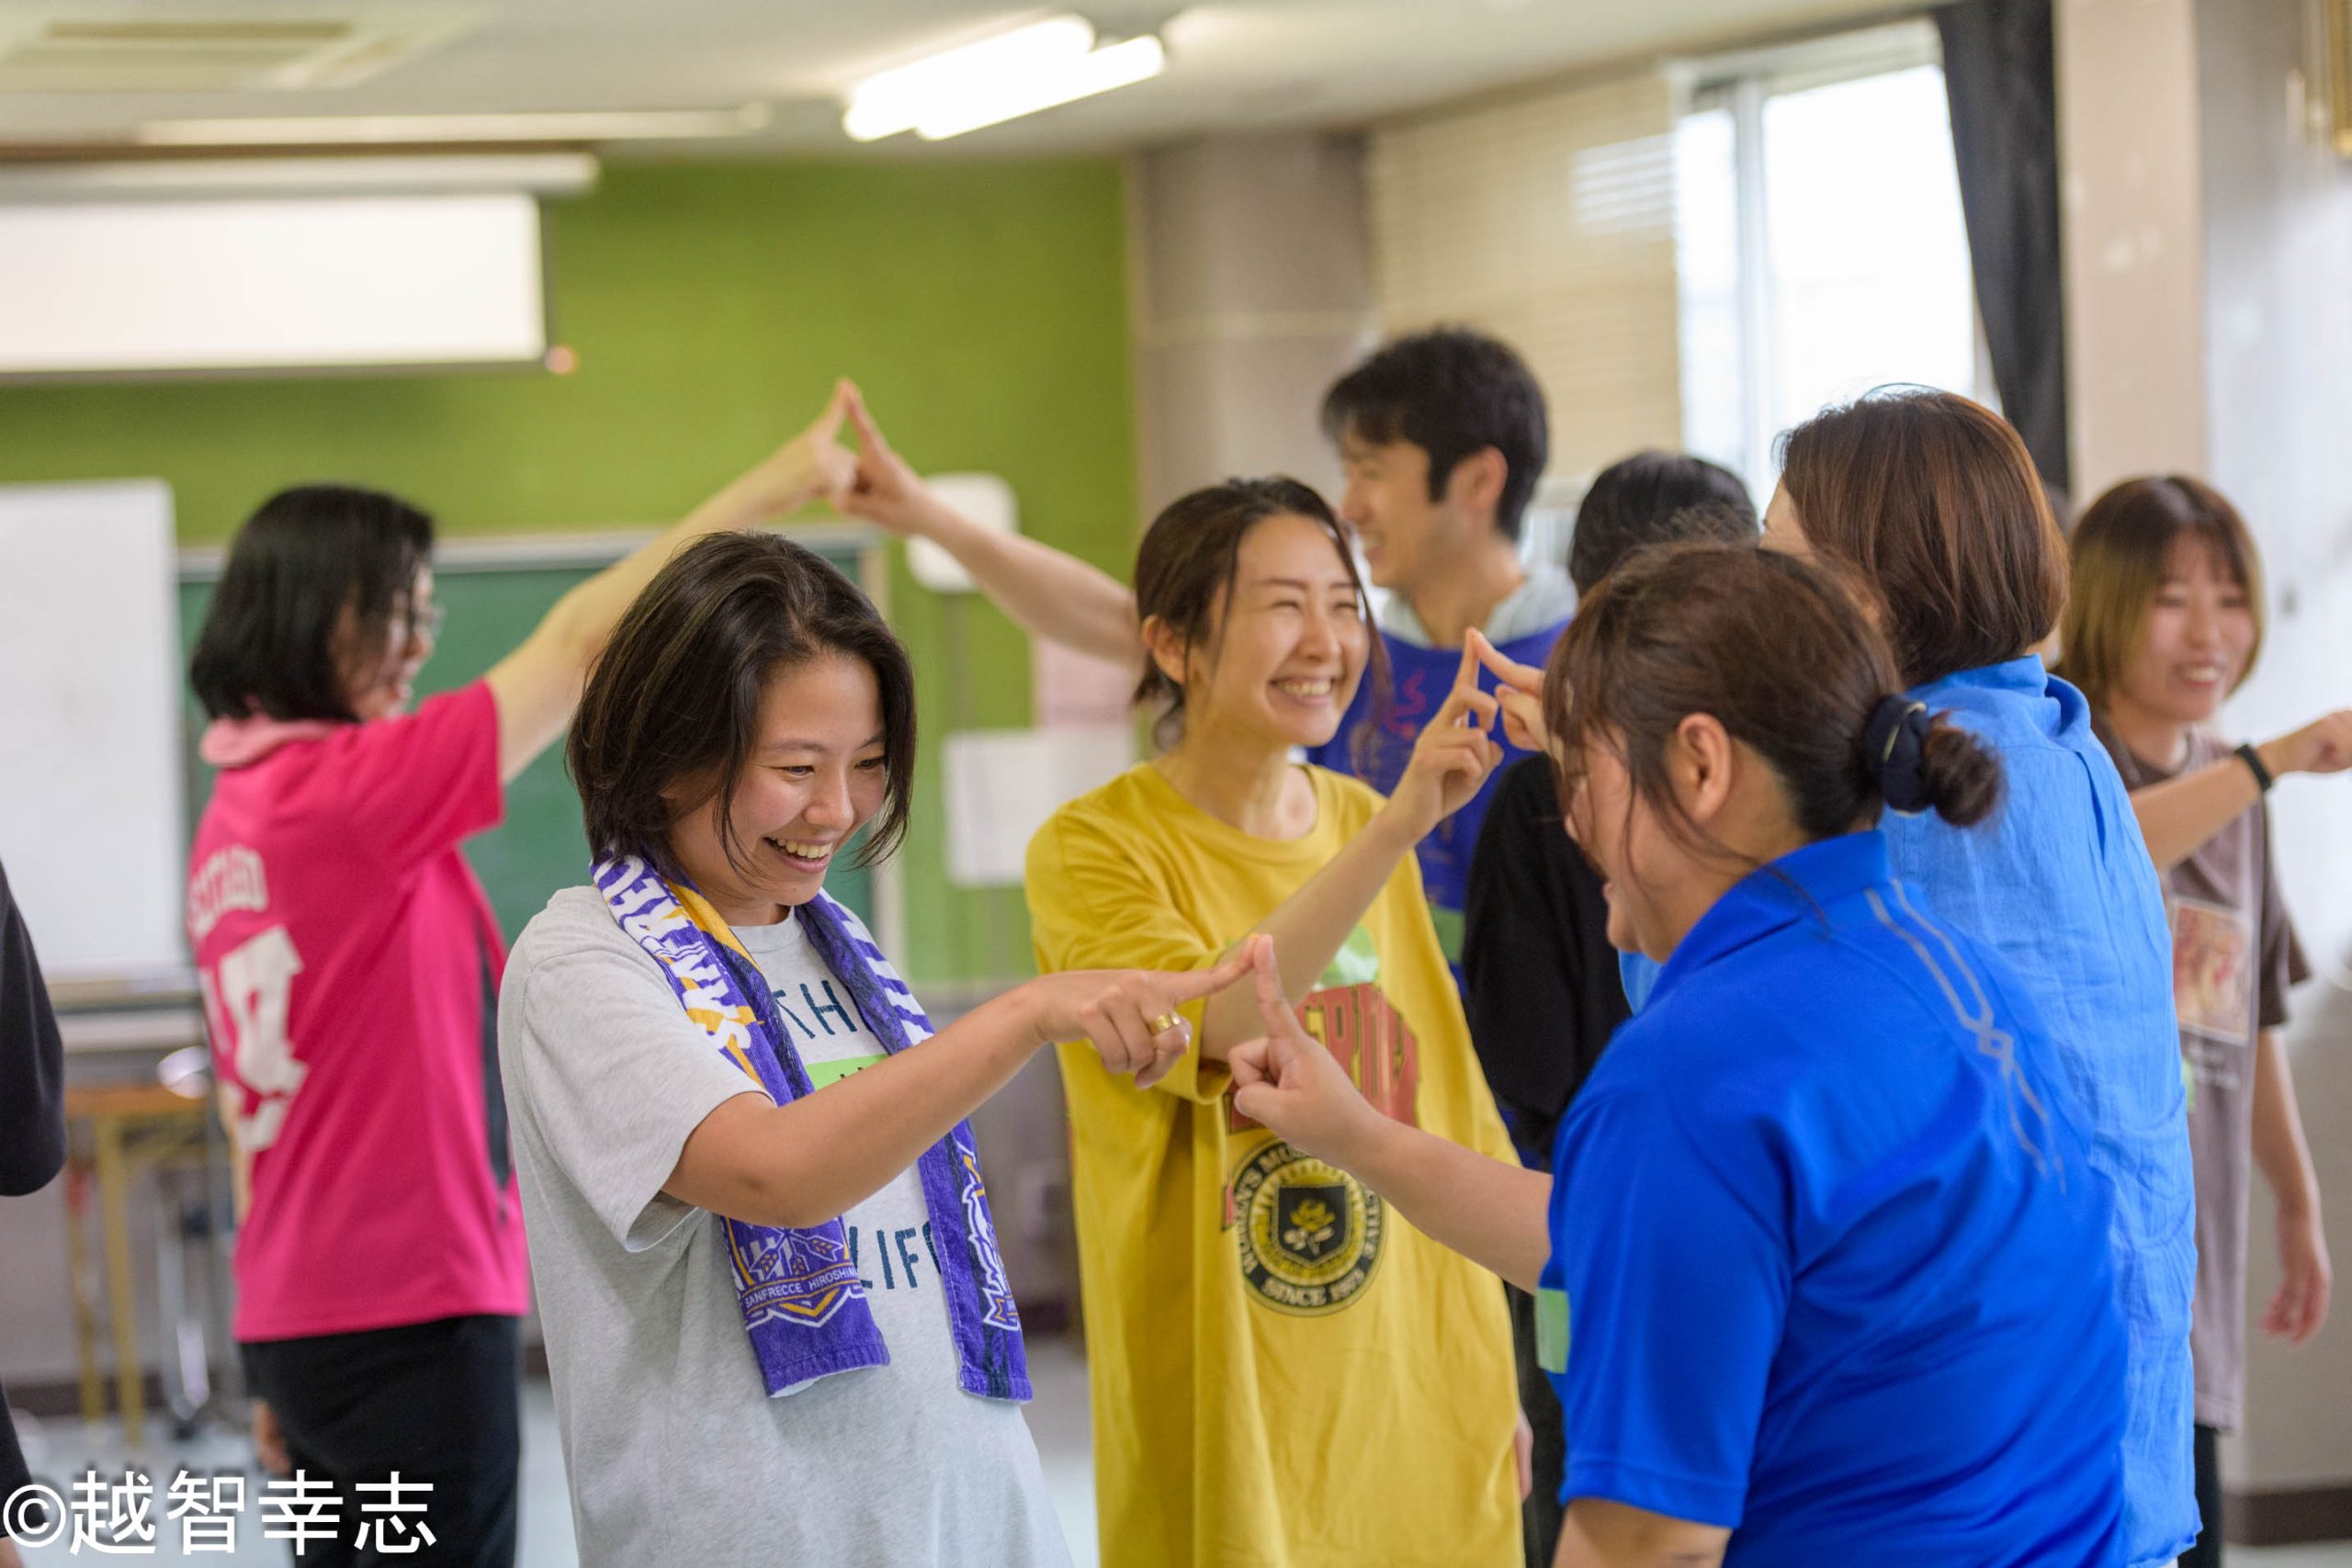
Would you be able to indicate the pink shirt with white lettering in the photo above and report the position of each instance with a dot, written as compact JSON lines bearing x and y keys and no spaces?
{"x":350,"y":964}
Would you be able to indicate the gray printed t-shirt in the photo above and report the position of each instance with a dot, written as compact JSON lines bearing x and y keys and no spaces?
{"x":2234,"y":956}
{"x":676,"y":1452}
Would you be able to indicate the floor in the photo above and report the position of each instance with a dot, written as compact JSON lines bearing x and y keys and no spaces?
{"x":58,"y":1450}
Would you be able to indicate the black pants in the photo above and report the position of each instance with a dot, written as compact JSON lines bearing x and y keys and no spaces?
{"x":438,"y":1402}
{"x":1539,"y":1516}
{"x":2207,"y":1552}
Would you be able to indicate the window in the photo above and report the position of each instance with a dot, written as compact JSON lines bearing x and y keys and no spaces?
{"x":1820,"y":250}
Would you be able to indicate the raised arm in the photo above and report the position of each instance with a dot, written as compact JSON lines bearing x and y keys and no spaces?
{"x":1049,"y":593}
{"x":1451,"y":760}
{"x":802,"y":1164}
{"x":538,"y":684}
{"x":2179,"y":815}
{"x":1493,"y":1214}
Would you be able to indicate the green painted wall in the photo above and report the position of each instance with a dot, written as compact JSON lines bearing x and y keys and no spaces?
{"x":982,"y":306}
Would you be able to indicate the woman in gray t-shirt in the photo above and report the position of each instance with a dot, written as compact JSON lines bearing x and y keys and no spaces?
{"x":777,"y":1319}
{"x":2163,"y":621}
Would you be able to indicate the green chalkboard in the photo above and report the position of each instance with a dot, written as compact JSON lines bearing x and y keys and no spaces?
{"x":540,"y":846}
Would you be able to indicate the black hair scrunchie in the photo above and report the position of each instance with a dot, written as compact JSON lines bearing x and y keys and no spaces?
{"x":1893,"y":748}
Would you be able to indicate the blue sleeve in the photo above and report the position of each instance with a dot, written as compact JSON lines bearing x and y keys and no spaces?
{"x":1674,"y":1275}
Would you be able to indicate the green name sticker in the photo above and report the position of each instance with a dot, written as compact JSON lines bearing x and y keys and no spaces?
{"x":822,"y":1074}
{"x":1552,"y":1329}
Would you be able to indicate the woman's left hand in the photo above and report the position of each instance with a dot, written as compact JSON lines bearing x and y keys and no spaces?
{"x":1520,"y":688}
{"x":2299,"y":1308}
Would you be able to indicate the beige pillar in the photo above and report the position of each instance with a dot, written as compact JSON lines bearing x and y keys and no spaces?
{"x":1252,"y":291}
{"x":2129,"y":181}
{"x":2209,"y":239}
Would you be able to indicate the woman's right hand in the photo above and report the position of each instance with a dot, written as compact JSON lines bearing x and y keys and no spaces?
{"x":813,"y":465}
{"x":1520,"y":688}
{"x":2322,"y":746}
{"x":886,"y":491}
{"x":1452,"y":757}
{"x":1287,"y":1082}
{"x":1114,"y":1010}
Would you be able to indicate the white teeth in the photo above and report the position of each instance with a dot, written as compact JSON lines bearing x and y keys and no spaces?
{"x":800,"y":850}
{"x":1306,"y":688}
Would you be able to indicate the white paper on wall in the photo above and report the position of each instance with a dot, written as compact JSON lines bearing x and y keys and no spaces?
{"x":1003,"y":783}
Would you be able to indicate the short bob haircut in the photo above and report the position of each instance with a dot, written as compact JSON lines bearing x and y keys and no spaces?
{"x":1452,"y":392}
{"x":2122,"y":545}
{"x":268,"y":644}
{"x":675,"y":694}
{"x":1932,"y":499}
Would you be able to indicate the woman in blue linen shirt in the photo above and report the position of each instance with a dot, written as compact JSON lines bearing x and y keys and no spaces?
{"x":1932,"y":501}
{"x":1825,"y":1279}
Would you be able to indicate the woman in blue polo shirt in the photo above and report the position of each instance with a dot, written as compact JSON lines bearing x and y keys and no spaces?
{"x":1933,"y":501}
{"x":1823,"y":1277}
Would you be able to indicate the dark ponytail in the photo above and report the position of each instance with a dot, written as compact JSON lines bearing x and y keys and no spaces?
{"x":1781,"y":652}
{"x":1926,"y":762}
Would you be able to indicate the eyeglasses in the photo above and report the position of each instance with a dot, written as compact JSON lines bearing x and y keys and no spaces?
{"x":423,"y":621}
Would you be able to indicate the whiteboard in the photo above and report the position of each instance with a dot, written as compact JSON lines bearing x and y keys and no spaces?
{"x":92,"y":806}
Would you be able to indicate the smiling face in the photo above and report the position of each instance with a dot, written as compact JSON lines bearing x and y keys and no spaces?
{"x":1620,"y":836}
{"x":1404,"y":533}
{"x":1282,"y":659}
{"x":2196,"y":641}
{"x":817,"y":771}
{"x":1664,"y":861}
{"x":379,"y":672}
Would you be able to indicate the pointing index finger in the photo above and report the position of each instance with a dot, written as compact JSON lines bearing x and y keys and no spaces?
{"x":829,"y":424}
{"x":1510,"y":672}
{"x":1274,"y":1005}
{"x":1216,"y":977}
{"x":869,"y":434}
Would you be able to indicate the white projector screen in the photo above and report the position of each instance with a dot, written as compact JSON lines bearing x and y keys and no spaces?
{"x":93,"y":821}
{"x":106,"y":288}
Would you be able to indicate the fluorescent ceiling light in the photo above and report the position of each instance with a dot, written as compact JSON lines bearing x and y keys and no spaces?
{"x":1028,"y":69}
{"x":542,"y":174}
{"x":322,"y":130}
{"x":895,"y":100}
{"x":1120,"y":65}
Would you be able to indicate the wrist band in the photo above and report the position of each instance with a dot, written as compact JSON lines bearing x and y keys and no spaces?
{"x":2253,"y":760}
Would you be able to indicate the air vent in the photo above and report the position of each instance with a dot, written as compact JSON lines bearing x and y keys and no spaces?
{"x":200,"y":54}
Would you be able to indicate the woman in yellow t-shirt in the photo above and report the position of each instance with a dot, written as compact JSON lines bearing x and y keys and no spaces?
{"x":1285,"y":1373}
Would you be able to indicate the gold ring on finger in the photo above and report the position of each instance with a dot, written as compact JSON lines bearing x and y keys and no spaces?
{"x":1164,"y":1022}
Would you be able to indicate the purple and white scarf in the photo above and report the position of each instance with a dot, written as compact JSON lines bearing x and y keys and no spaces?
{"x":802,"y":1304}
